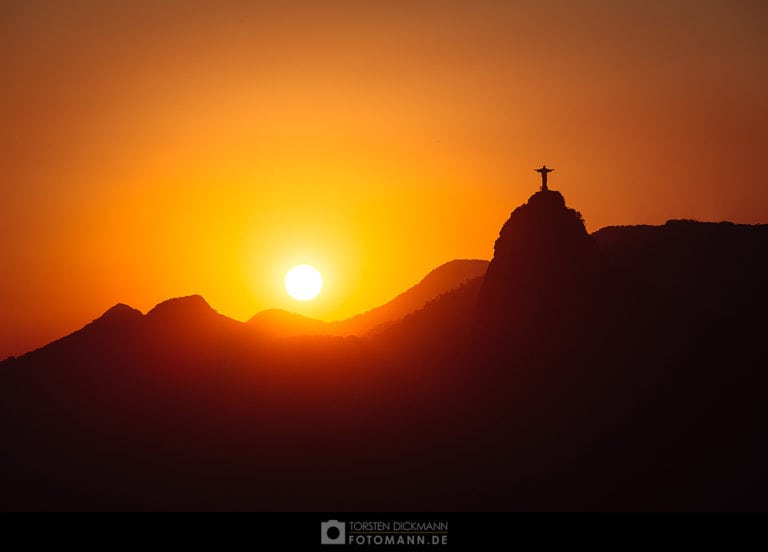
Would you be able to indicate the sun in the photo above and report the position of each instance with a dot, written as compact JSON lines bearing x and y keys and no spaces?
{"x":303,"y":282}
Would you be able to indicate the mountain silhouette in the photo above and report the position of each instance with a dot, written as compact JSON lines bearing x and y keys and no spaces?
{"x":544,"y":267}
{"x":621,"y":370}
{"x":446,"y":277}
{"x":439,"y":281}
{"x":180,"y":308}
{"x":116,"y":316}
{"x":278,"y":323}
{"x":720,"y":267}
{"x":189,"y":318}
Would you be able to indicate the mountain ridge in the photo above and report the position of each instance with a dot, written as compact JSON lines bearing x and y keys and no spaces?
{"x":607,"y":371}
{"x":448,"y":276}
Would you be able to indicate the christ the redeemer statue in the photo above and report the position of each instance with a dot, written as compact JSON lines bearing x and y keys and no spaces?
{"x":544,"y":171}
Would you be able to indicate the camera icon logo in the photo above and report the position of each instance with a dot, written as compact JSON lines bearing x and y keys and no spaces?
{"x":332,"y":532}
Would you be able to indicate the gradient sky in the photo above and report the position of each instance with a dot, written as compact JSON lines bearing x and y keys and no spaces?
{"x":152,"y":149}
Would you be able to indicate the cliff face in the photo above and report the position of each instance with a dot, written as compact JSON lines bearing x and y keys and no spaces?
{"x":544,"y":268}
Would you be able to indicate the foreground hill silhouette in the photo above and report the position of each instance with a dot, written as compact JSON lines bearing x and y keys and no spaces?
{"x":621,"y":370}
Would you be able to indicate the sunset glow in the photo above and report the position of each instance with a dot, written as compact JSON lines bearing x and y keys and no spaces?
{"x":158,"y":149}
{"x":431,"y":259}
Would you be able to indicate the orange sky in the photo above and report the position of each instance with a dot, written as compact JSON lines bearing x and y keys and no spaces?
{"x":152,"y":149}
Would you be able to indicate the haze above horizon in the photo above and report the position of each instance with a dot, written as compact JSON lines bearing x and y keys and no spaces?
{"x":158,"y":150}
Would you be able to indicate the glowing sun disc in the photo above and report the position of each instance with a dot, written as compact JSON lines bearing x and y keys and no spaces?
{"x":303,"y":282}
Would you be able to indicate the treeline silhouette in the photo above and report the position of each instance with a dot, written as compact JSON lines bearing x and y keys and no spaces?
{"x":622,"y":370}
